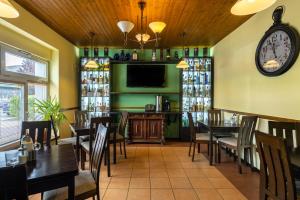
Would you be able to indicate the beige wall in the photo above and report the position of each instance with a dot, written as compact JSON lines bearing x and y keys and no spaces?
{"x":34,"y":36}
{"x":239,"y":85}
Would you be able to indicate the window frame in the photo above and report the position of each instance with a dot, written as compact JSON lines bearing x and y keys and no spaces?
{"x":19,"y":78}
{"x":21,"y":53}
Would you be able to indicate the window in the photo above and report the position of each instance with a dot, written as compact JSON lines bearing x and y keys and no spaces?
{"x":35,"y":91}
{"x":28,"y":81}
{"x":11,"y":111}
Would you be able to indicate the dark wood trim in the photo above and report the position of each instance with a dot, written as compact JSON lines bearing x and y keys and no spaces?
{"x":116,"y":93}
{"x":144,"y":62}
{"x":269,"y":117}
{"x":69,"y":109}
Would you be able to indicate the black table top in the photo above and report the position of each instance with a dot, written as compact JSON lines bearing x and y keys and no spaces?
{"x":51,"y":162}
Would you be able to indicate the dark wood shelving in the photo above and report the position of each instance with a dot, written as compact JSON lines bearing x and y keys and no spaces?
{"x":119,"y":93}
{"x":144,"y":62}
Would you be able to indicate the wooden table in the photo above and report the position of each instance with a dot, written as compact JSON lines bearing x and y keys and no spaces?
{"x":218,"y":127}
{"x":54,"y":168}
{"x":84,"y":130}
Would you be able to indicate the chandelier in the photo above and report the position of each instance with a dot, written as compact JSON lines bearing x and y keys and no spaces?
{"x":142,"y":37}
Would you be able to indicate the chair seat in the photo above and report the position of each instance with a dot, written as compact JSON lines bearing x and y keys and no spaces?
{"x":84,"y":183}
{"x":298,"y":187}
{"x":86,"y":145}
{"x":203,"y":137}
{"x":229,"y":141}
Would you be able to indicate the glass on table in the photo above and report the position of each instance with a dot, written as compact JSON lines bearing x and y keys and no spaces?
{"x":12,"y":157}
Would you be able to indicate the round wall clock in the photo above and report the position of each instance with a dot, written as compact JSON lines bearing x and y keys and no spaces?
{"x":279,"y":48}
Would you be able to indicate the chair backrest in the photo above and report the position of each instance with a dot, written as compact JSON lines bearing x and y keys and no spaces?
{"x":39,"y":131}
{"x":13,"y":183}
{"x":123,"y":123}
{"x":98,"y":152}
{"x":247,"y":128}
{"x":81,"y":117}
{"x":285,"y":130}
{"x":106,"y":121}
{"x":191,"y":127}
{"x":214,"y":115}
{"x":276,"y":178}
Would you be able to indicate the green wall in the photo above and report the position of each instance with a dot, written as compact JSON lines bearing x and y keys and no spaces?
{"x":137,"y":102}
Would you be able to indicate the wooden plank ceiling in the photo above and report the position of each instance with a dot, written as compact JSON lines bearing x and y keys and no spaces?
{"x":205,"y":21}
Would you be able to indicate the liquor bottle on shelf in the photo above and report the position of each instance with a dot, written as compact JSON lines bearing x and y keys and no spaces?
{"x":84,"y":91}
{"x":197,"y":91}
{"x":100,"y":79}
{"x":134,"y":55}
{"x":153,"y":54}
{"x":106,"y":78}
{"x":84,"y":81}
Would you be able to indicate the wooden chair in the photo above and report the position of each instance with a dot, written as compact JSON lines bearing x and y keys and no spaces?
{"x":197,"y":138}
{"x":215,"y":115}
{"x":13,"y":183}
{"x":80,"y":117}
{"x":285,"y":130}
{"x":276,"y":177}
{"x":39,"y":131}
{"x":87,"y":182}
{"x":244,"y":141}
{"x":119,"y":135}
{"x":86,"y":147}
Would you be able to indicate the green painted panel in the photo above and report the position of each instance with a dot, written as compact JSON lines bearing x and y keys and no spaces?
{"x":136,"y":102}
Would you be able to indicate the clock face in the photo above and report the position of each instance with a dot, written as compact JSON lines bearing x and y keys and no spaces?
{"x":275,"y":51}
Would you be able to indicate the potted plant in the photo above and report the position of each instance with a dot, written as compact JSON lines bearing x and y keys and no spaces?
{"x":50,"y":108}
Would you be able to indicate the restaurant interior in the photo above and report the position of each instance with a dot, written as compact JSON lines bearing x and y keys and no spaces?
{"x":149,"y":99}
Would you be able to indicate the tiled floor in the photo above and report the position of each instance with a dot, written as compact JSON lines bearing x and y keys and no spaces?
{"x":153,"y":172}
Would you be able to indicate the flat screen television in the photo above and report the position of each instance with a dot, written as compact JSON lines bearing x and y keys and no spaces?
{"x":145,"y":75}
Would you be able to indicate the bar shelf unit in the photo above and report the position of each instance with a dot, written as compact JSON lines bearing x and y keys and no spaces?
{"x":95,"y":87}
{"x":197,"y":89}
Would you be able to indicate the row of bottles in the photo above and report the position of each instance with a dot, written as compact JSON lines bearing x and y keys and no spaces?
{"x":198,"y":64}
{"x":196,"y":104}
{"x":95,"y":104}
{"x":196,"y":78}
{"x":196,"y":91}
{"x":94,"y":91}
{"x":95,"y":77}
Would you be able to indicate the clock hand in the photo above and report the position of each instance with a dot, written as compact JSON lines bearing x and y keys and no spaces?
{"x":273,"y":47}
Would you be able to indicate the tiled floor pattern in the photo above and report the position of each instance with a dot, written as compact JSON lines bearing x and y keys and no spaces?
{"x":165,"y":173}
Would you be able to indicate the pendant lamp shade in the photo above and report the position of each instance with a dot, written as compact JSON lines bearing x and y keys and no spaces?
{"x":247,"y":7}
{"x":145,"y":38}
{"x":7,"y":10}
{"x":182,"y":64}
{"x":125,"y":26}
{"x":91,"y":64}
{"x":157,"y":27}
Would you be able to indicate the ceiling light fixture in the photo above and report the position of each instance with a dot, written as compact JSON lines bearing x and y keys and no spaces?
{"x":91,"y":64}
{"x":182,"y":64}
{"x":7,"y":10}
{"x":142,"y":37}
{"x":247,"y":7}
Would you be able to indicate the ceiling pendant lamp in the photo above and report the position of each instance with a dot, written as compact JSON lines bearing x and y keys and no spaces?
{"x":7,"y":10}
{"x":91,"y":64}
{"x":182,"y":64}
{"x":247,"y":7}
{"x":125,"y":27}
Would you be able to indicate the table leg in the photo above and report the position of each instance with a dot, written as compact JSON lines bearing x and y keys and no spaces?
{"x":71,"y":188}
{"x":115,"y":147}
{"x":108,"y":158}
{"x":210,"y":147}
